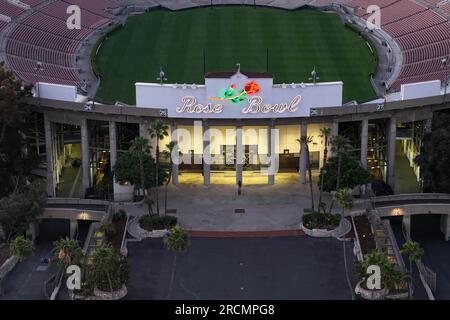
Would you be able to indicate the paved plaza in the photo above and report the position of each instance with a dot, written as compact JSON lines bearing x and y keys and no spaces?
{"x":277,"y":207}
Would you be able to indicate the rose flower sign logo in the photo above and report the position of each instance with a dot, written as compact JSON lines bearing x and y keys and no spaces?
{"x":236,"y":96}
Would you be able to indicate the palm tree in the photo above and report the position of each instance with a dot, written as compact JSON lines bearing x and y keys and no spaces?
{"x":305,"y":141}
{"x":414,"y":252}
{"x":178,"y":240}
{"x":140,"y":149}
{"x":325,"y":133}
{"x":158,"y":130}
{"x":67,"y":251}
{"x":340,"y":145}
{"x":344,"y":198}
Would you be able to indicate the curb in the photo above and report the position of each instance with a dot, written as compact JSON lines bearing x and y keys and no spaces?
{"x":246,"y":234}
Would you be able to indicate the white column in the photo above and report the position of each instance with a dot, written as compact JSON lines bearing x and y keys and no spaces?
{"x":392,"y":135}
{"x":73,"y":228}
{"x":239,"y":154}
{"x":271,"y":148}
{"x":176,"y":159}
{"x":364,"y":142}
{"x":206,"y":155}
{"x":407,"y":224}
{"x":85,"y":154}
{"x":303,"y":155}
{"x":113,"y":143}
{"x":49,"y":155}
{"x":113,"y":154}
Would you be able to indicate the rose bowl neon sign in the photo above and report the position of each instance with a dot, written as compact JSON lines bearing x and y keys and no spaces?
{"x":255,"y":106}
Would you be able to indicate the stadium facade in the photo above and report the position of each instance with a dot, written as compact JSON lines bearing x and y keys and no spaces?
{"x":242,"y":119}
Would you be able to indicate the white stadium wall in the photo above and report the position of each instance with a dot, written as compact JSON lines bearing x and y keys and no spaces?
{"x":210,"y":101}
{"x":56,"y":91}
{"x":420,"y":90}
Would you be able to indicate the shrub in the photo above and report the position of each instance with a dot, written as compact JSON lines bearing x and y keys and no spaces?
{"x":156,"y":222}
{"x":21,"y":247}
{"x":178,"y":240}
{"x":67,"y":252}
{"x":318,"y":220}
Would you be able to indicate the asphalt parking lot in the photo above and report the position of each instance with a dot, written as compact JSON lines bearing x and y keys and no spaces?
{"x":244,"y":268}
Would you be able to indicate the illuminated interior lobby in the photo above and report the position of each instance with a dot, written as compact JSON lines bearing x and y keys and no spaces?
{"x":224,"y":143}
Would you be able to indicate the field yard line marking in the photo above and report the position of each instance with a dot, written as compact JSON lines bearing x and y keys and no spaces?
{"x":75,"y":183}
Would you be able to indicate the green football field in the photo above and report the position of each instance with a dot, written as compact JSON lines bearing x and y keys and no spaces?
{"x":287,"y":43}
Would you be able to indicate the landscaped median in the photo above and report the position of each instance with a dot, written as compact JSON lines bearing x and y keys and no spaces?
{"x":320,"y":224}
{"x":151,"y":226}
{"x":393,"y":281}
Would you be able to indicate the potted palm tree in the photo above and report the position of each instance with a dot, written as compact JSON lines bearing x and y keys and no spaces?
{"x":390,"y":277}
{"x":109,"y":270}
{"x":158,"y":130}
{"x":67,"y":252}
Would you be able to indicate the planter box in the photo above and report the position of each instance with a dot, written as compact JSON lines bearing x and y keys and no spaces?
{"x":103,"y":295}
{"x":370,"y":294}
{"x":151,"y":234}
{"x":115,"y":295}
{"x":8,"y":266}
{"x":318,"y":233}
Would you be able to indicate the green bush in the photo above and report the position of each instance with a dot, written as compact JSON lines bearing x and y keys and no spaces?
{"x":156,"y":222}
{"x":21,"y":247}
{"x":318,"y":220}
{"x":178,"y":240}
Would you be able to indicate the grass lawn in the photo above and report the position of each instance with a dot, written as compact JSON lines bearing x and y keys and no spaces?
{"x":297,"y":41}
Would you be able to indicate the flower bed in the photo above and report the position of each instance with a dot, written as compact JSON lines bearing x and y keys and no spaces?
{"x":365,"y":236}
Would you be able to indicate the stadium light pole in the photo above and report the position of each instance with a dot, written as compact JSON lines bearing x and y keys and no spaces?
{"x":162,"y":76}
{"x":445,"y":63}
{"x":314,"y":76}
